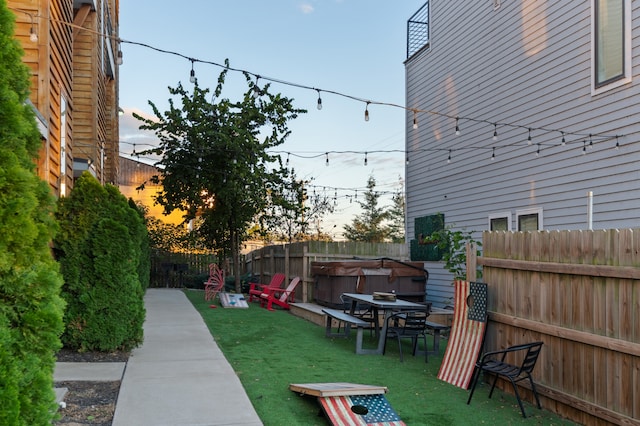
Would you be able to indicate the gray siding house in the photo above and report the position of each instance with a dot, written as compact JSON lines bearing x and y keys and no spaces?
{"x":522,"y":115}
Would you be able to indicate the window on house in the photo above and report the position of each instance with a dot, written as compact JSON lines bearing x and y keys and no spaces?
{"x":500,"y":221}
{"x":529,"y":219}
{"x":611,"y":43}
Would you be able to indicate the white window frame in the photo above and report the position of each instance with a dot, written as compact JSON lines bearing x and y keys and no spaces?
{"x":527,"y":212}
{"x":500,"y":215}
{"x":595,"y":90}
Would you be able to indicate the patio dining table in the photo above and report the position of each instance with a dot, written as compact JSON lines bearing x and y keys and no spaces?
{"x":387,"y":306}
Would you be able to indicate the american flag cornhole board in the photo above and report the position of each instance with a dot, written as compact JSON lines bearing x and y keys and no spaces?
{"x":467,"y":333}
{"x":350,"y":404}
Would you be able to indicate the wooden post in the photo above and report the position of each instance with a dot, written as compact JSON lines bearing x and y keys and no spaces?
{"x":472,"y":262}
{"x":305,"y":272}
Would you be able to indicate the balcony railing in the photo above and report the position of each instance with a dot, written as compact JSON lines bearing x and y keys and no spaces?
{"x":418,"y":30}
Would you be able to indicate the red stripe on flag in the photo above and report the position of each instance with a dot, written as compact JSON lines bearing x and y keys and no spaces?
{"x":338,"y":410}
{"x":465,"y":342}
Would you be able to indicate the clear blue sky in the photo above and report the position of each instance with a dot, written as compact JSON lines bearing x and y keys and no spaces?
{"x":353,"y":47}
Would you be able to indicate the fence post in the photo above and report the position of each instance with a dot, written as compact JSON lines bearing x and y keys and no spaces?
{"x":305,"y":272}
{"x":286,"y":262}
{"x":472,"y":262}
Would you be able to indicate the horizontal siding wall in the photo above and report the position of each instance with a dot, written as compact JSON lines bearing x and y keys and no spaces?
{"x":526,"y":64}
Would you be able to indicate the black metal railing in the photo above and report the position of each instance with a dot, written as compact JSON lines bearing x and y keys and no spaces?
{"x":418,"y":30}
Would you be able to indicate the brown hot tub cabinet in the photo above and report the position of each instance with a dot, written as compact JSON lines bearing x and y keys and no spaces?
{"x":407,"y":279}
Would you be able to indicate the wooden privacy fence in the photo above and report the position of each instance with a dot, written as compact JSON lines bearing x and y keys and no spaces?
{"x":579,"y":292}
{"x":295,"y":259}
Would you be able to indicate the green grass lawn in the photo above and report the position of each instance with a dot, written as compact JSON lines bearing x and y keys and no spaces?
{"x":270,"y":350}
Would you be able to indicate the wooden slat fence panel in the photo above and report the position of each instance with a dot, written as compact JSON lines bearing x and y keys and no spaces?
{"x":579,"y":292}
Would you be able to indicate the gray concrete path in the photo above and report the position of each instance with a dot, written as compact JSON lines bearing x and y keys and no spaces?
{"x":179,"y":376}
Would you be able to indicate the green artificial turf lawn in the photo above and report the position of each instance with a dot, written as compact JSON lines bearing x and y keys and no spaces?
{"x":270,"y":350}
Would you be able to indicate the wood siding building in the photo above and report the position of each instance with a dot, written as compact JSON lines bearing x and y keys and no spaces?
{"x":556,"y":83}
{"x":71,"y":47}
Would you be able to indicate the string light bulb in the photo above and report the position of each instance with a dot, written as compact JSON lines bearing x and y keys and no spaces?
{"x":366,"y":111}
{"x":584,"y":147}
{"x":119,"y":57}
{"x":457,"y":127}
{"x":564,"y":142}
{"x":192,"y":76}
{"x":415,"y":120}
{"x":495,"y":131}
{"x":529,"y":137}
{"x":590,"y":142}
{"x":326,"y":163}
{"x":319,"y":100}
{"x":32,"y":34}
{"x":493,"y":154}
{"x":538,"y":151}
{"x":256,"y":89}
{"x":449,"y":158}
{"x":365,"y":159}
{"x":617,"y":143}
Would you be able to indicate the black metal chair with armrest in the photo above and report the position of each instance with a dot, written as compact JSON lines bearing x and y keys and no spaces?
{"x":494,"y":362}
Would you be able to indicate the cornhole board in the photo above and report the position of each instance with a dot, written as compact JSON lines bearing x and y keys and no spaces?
{"x":351,"y":404}
{"x":233,"y":300}
{"x":467,"y":334}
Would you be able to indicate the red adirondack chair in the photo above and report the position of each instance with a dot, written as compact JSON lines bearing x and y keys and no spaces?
{"x":279,"y":296}
{"x":257,"y":289}
{"x":215,"y":283}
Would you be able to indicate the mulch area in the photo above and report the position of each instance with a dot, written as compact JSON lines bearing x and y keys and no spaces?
{"x":89,"y":403}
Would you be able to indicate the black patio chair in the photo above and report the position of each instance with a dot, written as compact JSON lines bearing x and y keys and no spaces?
{"x":407,"y":325}
{"x":493,"y":362}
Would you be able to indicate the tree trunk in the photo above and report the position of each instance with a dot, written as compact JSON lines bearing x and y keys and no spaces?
{"x":235,"y":256}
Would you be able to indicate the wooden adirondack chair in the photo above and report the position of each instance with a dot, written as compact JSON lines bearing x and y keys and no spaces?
{"x":257,"y":289}
{"x":215,"y":283}
{"x":279,"y":296}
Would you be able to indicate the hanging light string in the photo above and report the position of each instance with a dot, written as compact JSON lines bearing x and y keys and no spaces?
{"x":599,"y":137}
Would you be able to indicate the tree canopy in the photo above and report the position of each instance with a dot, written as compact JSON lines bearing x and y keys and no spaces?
{"x":369,"y":226}
{"x":215,"y":162}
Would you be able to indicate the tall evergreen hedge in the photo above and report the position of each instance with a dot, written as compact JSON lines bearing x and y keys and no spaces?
{"x":100,"y":248}
{"x":30,"y":304}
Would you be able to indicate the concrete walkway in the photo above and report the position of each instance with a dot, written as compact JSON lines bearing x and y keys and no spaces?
{"x":179,"y":376}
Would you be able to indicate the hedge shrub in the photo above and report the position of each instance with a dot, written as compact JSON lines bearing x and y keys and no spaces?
{"x":30,"y":304}
{"x":100,"y":250}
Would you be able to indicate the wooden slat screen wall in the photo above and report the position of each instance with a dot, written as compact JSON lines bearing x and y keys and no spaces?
{"x":579,"y":292}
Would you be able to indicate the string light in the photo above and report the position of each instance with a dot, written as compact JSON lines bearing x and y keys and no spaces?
{"x":564,"y":142}
{"x":529,"y":137}
{"x":319,"y":100}
{"x":365,"y":158}
{"x":287,"y":163}
{"x":366,"y":112}
{"x":119,"y":57}
{"x":584,"y":147}
{"x":538,"y":151}
{"x":495,"y":131}
{"x":292,"y":84}
{"x":590,"y":142}
{"x":192,"y":77}
{"x":326,"y":163}
{"x":493,"y":154}
{"x":415,"y":120}
{"x":617,"y":143}
{"x":256,"y":88}
{"x":449,"y":158}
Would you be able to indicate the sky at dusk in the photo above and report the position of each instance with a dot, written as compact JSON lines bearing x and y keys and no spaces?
{"x":353,"y":48}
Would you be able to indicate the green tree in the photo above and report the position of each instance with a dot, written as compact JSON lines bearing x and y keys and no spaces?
{"x":100,"y":248}
{"x":396,"y":218}
{"x":30,"y":305}
{"x":215,"y":162}
{"x":290,"y":213}
{"x":369,"y":226}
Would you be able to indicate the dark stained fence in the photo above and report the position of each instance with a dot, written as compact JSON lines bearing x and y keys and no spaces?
{"x":179,"y":269}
